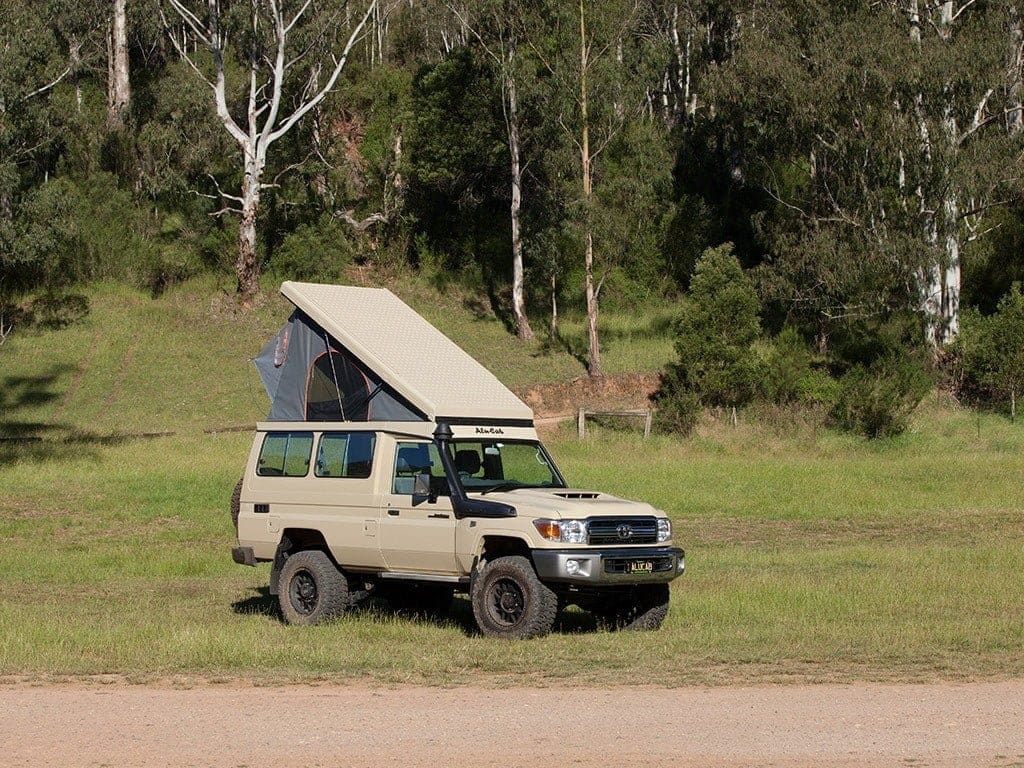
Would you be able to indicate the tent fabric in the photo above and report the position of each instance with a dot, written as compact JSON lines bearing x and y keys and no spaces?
{"x":309,"y":376}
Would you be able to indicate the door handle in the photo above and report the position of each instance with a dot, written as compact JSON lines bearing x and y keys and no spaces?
{"x":393,"y":512}
{"x":439,"y":516}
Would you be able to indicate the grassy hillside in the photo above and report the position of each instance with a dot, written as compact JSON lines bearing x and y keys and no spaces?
{"x":811,"y":555}
{"x":182,"y":361}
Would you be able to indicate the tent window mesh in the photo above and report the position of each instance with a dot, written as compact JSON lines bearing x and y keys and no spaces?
{"x":338,"y":390}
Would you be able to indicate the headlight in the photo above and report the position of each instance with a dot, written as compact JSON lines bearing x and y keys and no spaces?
{"x":565,"y":531}
{"x":574,"y":531}
{"x":664,"y":529}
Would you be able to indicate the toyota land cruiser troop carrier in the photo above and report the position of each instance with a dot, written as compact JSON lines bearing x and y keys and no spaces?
{"x":392,"y":463}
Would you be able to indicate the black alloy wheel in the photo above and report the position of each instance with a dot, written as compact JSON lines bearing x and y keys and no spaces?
{"x":303,"y":592}
{"x":313,"y":589}
{"x":505,"y":602}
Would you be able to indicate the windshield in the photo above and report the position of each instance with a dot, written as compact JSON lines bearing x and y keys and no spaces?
{"x":483,"y":466}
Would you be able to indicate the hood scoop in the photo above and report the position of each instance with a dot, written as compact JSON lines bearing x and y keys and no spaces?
{"x":577,"y":494}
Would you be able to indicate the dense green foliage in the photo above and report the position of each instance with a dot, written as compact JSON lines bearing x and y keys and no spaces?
{"x":861,"y":158}
{"x":991,"y":352}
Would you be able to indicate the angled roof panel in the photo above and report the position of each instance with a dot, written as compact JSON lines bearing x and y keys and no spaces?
{"x":406,"y":351}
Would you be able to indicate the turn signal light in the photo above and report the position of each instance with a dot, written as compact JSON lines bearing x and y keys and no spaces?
{"x":549,"y":529}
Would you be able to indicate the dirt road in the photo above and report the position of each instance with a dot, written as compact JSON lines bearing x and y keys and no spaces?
{"x":976,"y":724}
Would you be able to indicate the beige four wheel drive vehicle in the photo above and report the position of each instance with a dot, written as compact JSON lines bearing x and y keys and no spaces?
{"x":393,"y":463}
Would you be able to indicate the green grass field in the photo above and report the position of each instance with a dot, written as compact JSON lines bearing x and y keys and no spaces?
{"x":810,"y":556}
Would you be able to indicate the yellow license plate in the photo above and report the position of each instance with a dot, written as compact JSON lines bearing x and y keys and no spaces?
{"x":641,"y":566}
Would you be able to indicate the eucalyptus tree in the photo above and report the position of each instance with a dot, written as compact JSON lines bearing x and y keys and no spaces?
{"x":964,"y":105}
{"x":271,"y":47}
{"x":598,"y":77}
{"x":499,"y":27}
{"x":877,"y":133}
{"x":33,"y":63}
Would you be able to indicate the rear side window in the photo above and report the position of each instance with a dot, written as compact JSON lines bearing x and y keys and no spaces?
{"x":285,"y":454}
{"x":345,"y":454}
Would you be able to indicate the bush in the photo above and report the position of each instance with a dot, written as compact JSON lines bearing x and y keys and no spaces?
{"x":991,"y":352}
{"x":678,"y":408}
{"x":878,"y":399}
{"x":787,"y":361}
{"x":319,"y":251}
{"x":792,"y":374}
{"x":715,"y":335}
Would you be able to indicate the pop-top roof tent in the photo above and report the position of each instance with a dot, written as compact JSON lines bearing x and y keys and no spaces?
{"x":362,"y":354}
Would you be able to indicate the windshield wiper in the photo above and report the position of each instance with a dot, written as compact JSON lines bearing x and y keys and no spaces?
{"x":509,"y":486}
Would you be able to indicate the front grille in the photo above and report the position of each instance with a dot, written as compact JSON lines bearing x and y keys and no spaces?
{"x":625,"y":564}
{"x":622,"y":530}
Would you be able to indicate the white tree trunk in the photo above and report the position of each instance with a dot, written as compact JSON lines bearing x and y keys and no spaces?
{"x":939,"y":280}
{"x":247,"y":269}
{"x":593,"y":342}
{"x":119,"y":90}
{"x":75,"y":64}
{"x":523,"y":329}
{"x":1015,"y":86}
{"x":553,"y":330}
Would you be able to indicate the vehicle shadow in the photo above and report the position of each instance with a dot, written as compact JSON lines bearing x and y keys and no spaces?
{"x":262,"y":604}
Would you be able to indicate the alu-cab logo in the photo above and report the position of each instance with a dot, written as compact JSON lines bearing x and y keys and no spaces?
{"x":490,"y":431}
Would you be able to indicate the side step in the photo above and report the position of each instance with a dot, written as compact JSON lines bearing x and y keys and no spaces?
{"x":399,"y":576}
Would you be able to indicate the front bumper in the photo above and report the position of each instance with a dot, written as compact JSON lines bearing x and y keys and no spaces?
{"x":609,"y":566}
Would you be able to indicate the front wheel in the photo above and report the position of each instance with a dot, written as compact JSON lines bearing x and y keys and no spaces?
{"x":311,"y":589}
{"x":642,"y":607}
{"x":509,"y":601}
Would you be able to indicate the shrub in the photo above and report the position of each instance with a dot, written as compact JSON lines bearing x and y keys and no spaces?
{"x":793,"y":376}
{"x":991,"y":351}
{"x":787,"y":361}
{"x":678,"y":408}
{"x":317,"y":251}
{"x":717,"y":331}
{"x":878,"y":399}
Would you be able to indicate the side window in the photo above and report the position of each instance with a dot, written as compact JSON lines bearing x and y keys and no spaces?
{"x":412,"y":459}
{"x":345,"y":454}
{"x":285,"y":454}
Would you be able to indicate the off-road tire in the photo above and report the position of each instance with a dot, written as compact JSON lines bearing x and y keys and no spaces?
{"x":421,"y":600}
{"x":640,"y":608}
{"x":509,"y":601}
{"x":311,"y":589}
{"x":236,"y":503}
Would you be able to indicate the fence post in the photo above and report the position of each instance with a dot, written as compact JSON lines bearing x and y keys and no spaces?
{"x":581,"y":424}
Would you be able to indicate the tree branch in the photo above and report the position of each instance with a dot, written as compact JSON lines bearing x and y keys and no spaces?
{"x":39,"y":91}
{"x":361,"y":225}
{"x":181,"y":51}
{"x":339,"y":65}
{"x":961,"y":9}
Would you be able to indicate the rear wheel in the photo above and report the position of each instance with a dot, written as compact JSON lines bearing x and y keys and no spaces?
{"x":509,"y":601}
{"x":311,"y":589}
{"x":643,"y":607}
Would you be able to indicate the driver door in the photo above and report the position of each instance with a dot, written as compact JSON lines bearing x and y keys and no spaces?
{"x":417,"y":535}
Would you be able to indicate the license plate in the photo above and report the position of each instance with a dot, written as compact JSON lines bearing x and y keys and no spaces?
{"x":640,"y":566}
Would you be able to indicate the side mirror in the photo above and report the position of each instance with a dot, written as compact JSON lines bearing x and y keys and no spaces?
{"x":421,"y":487}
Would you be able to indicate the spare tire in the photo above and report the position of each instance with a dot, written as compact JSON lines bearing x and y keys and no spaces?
{"x":236,"y":503}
